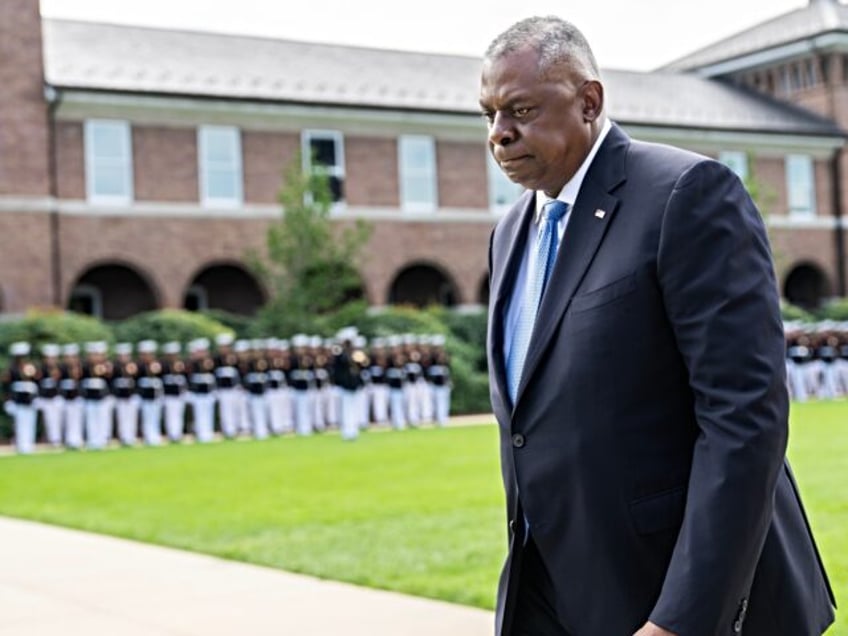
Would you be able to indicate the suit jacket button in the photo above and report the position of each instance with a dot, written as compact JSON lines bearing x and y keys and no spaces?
{"x":518,"y":440}
{"x":737,"y":626}
{"x":512,"y":525}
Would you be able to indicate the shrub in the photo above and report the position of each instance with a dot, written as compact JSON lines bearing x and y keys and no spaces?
{"x":169,"y":324}
{"x":790,"y":312}
{"x":241,"y":326}
{"x":835,"y":310}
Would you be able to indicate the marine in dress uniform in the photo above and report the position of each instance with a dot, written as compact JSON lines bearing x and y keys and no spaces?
{"x":50,"y":402}
{"x":174,"y":386}
{"x":20,"y":389}
{"x":360,"y":357}
{"x":96,"y":394}
{"x":202,"y":389}
{"x":124,"y":374}
{"x":301,"y":379}
{"x":396,"y":381}
{"x":439,"y":377}
{"x":347,"y":375}
{"x":412,"y":388}
{"x":281,"y":418}
{"x":256,"y":386}
{"x":228,"y":382}
{"x":69,"y":389}
{"x":378,"y":389}
{"x":242,"y":349}
{"x":150,"y":390}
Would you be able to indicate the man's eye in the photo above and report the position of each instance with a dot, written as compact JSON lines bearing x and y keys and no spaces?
{"x":488,"y":116}
{"x":520,"y":112}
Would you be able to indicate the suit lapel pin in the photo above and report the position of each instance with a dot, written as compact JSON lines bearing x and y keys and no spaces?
{"x":599,"y":214}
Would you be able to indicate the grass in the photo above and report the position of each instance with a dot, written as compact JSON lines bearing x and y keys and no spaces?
{"x":417,"y":511}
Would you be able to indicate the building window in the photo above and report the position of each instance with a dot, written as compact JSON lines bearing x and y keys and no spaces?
{"x":108,"y":162}
{"x":800,"y":185}
{"x":811,"y":76}
{"x":86,"y":299}
{"x":736,"y":161}
{"x":219,"y":153}
{"x":323,"y":153}
{"x":196,"y":298}
{"x":503,"y":193}
{"x":417,"y":171}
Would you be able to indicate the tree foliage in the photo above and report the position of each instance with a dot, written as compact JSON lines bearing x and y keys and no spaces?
{"x":311,"y":263}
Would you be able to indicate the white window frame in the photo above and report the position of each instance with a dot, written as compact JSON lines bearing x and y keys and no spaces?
{"x":737,"y":161}
{"x":796,"y":166}
{"x":234,"y":165}
{"x":494,"y":175}
{"x":337,"y":170}
{"x":94,"y":294}
{"x":91,"y":163}
{"x":430,"y":174}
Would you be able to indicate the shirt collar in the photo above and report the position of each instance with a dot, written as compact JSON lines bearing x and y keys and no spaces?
{"x":570,"y":190}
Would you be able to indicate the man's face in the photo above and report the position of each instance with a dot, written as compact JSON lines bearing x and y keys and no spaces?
{"x":541,"y":127}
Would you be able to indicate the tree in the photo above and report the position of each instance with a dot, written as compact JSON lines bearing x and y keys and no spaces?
{"x":311,"y":264}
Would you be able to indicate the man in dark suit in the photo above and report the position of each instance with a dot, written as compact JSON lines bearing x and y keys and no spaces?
{"x":637,"y":375}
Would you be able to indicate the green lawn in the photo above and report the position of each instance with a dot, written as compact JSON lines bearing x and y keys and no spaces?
{"x":417,"y":511}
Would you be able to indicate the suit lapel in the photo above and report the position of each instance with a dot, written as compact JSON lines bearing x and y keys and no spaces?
{"x":514,"y":235}
{"x":593,"y":212}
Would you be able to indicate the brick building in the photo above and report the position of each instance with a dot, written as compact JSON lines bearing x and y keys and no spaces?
{"x":138,"y":166}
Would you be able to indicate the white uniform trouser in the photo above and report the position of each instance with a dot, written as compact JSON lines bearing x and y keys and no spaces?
{"x":410,"y":399}
{"x":441,"y":399}
{"x":203,"y":409}
{"x":151,"y":421}
{"x":797,"y":380}
{"x":425,"y":400}
{"x":51,"y":411}
{"x":25,"y":417}
{"x":829,"y":388}
{"x":302,"y":412}
{"x":331,"y":397}
{"x":74,"y":416}
{"x":363,"y":407}
{"x":259,"y":415}
{"x":380,"y":403}
{"x":316,"y":404}
{"x":174,"y":417}
{"x":96,"y":423}
{"x":397,"y":405}
{"x":351,"y":410}
{"x":842,"y":374}
{"x":229,"y":405}
{"x":280,"y":410}
{"x":243,"y":411}
{"x":126,"y":412}
{"x":814,"y":370}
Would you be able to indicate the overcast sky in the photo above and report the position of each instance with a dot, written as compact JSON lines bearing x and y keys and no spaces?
{"x":625,"y":34}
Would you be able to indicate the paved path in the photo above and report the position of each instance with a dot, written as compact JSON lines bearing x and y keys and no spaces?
{"x":58,"y":581}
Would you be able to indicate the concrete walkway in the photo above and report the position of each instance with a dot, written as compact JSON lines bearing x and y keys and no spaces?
{"x":58,"y":581}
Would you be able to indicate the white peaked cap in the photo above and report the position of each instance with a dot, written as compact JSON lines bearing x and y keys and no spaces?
{"x":147,"y":346}
{"x":172,"y":347}
{"x":347,"y":333}
{"x":316,"y":341}
{"x":50,"y":350}
{"x":409,"y":338}
{"x":98,"y":346}
{"x":198,"y":344}
{"x":19,"y":349}
{"x":123,"y":348}
{"x":71,"y":349}
{"x":438,"y":340}
{"x":360,"y":342}
{"x":394,"y":341}
{"x":300,"y":340}
{"x":224,"y":339}
{"x":378,"y":342}
{"x":258,"y":344}
{"x":284,"y":345}
{"x":241,"y":345}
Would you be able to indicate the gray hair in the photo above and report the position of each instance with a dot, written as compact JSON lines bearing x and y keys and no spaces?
{"x":555,"y":40}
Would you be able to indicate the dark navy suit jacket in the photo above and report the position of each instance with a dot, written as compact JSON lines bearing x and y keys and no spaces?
{"x":646,"y":445}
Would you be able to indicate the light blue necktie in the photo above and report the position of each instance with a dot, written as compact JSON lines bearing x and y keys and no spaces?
{"x":546,"y":251}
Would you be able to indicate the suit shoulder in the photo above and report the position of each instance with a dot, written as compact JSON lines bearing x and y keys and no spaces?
{"x":658,"y":163}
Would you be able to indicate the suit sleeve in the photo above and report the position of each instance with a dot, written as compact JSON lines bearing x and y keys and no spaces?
{"x":718,"y":285}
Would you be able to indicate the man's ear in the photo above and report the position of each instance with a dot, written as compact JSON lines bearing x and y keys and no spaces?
{"x":593,"y":100}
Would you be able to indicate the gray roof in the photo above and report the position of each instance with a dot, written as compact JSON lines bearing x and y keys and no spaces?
{"x":105,"y":57}
{"x":817,"y":18}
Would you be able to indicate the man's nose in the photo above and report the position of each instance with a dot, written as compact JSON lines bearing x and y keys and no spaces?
{"x":501,"y":131}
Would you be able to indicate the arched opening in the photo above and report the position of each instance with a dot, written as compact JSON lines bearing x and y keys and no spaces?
{"x":421,"y":286}
{"x":227,"y":287}
{"x":806,"y":285}
{"x":483,"y":291}
{"x":111,"y":292}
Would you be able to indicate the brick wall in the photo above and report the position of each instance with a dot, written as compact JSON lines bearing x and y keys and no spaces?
{"x":24,"y":168}
{"x":371,"y":167}
{"x":70,"y":160}
{"x":265,"y":157}
{"x":165,"y":164}
{"x":463,"y":181}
